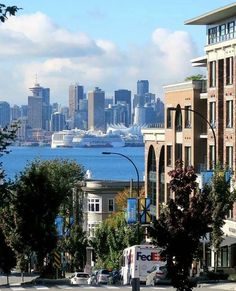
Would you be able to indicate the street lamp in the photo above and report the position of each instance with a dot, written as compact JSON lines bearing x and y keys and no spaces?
{"x":203,"y":117}
{"x":126,"y":157}
{"x":214,"y":135}
{"x":136,"y":281}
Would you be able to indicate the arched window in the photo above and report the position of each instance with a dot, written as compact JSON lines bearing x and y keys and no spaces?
{"x":178,"y":119}
{"x":151,"y":188}
{"x":162,"y":176}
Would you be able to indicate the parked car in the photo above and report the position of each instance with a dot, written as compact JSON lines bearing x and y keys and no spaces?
{"x":93,"y":278}
{"x":115,"y":277}
{"x":79,"y":278}
{"x":156,"y":274}
{"x":103,"y":276}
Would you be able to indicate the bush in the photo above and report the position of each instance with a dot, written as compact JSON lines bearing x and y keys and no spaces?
{"x":218,"y":275}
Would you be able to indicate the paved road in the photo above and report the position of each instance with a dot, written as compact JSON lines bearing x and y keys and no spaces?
{"x":15,"y":285}
{"x":210,"y":287}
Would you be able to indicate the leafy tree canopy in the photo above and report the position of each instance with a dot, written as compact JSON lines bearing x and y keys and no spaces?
{"x":181,"y":224}
{"x":6,"y":11}
{"x":195,"y":78}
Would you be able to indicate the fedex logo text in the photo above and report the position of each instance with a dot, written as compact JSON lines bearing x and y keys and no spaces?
{"x":154,"y":256}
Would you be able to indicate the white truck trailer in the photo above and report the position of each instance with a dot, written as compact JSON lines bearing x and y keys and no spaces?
{"x":137,"y":261}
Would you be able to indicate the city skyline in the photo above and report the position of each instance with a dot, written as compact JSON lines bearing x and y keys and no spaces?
{"x":106,"y":45}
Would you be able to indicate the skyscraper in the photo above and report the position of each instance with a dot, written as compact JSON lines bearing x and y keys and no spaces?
{"x":142,"y":87}
{"x":76,"y":93}
{"x":123,"y":96}
{"x":39,"y":109}
{"x":96,"y":109}
{"x":58,"y":121}
{"x":4,"y":113}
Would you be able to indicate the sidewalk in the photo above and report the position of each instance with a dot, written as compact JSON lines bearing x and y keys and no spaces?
{"x":221,"y":286}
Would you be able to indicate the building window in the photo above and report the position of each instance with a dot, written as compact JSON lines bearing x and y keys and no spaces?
{"x":168,"y":118}
{"x":231,"y":25}
{"x":92,"y":228}
{"x":222,"y":31}
{"x":94,"y":205}
{"x":187,"y":152}
{"x":229,"y":71}
{"x":229,"y":157}
{"x":212,"y":73}
{"x":229,"y":114}
{"x":212,"y":35}
{"x":178,"y":151}
{"x":212,"y":113}
{"x":178,"y":120}
{"x":212,"y":156}
{"x":111,"y":205}
{"x":169,"y":156}
{"x":187,"y":121}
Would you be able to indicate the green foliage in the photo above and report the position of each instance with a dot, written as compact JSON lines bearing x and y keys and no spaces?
{"x":7,"y":256}
{"x":7,"y":11}
{"x":222,"y":200}
{"x":111,"y":238}
{"x":181,"y":224}
{"x":195,"y":78}
{"x":28,"y":217}
{"x":75,"y":245}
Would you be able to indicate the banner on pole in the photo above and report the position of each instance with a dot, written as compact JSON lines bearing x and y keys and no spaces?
{"x":132,"y":210}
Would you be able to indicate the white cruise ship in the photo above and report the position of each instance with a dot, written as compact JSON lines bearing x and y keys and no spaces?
{"x":78,"y":138}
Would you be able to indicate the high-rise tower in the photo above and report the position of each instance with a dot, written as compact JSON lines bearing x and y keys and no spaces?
{"x":39,"y":107}
{"x":96,"y":109}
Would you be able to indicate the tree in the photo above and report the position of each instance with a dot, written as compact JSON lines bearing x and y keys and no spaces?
{"x":28,"y":220}
{"x":111,"y":238}
{"x":195,"y":78}
{"x":75,"y":245}
{"x":7,"y":11}
{"x":181,"y":224}
{"x":222,"y":202}
{"x":7,"y":256}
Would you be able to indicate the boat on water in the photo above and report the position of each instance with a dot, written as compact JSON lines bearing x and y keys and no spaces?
{"x":78,"y":138}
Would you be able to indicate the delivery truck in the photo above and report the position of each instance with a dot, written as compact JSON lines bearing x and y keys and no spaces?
{"x":137,"y":261}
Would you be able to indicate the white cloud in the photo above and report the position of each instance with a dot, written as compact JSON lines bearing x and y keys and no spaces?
{"x":33,"y":44}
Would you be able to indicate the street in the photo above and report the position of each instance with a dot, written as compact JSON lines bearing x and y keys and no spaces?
{"x":15,"y":285}
{"x":104,"y":288}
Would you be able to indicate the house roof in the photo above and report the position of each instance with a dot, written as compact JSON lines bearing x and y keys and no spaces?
{"x":214,"y":16}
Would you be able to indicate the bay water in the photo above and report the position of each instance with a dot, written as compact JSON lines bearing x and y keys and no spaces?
{"x":102,"y":167}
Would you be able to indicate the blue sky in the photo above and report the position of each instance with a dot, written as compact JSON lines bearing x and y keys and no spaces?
{"x":106,"y":43}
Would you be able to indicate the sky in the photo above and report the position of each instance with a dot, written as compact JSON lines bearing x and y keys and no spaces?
{"x":109,"y":44}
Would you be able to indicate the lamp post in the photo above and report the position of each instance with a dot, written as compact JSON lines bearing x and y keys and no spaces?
{"x":135,"y":281}
{"x":214,"y":135}
{"x":126,"y":157}
{"x":203,"y":117}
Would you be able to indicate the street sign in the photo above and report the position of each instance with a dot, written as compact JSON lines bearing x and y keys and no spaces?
{"x":56,"y":260}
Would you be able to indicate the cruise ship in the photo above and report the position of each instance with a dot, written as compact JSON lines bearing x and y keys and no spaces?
{"x":79,"y":138}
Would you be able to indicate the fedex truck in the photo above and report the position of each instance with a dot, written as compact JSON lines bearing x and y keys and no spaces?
{"x":137,"y":261}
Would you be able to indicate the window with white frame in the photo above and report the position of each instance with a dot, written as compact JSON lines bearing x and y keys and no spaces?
{"x":231,"y":26}
{"x":168,"y":118}
{"x":229,"y":113}
{"x":92,"y":228}
{"x":188,"y":156}
{"x":222,"y":32}
{"x":94,"y":205}
{"x":111,"y":205}
{"x":187,"y":116}
{"x":212,"y":35}
{"x":212,"y":156}
{"x":169,"y":155}
{"x":229,"y":157}
{"x":229,"y":70}
{"x":212,"y":76}
{"x":212,"y":113}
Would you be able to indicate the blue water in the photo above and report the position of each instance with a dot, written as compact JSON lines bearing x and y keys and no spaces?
{"x":105,"y":167}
